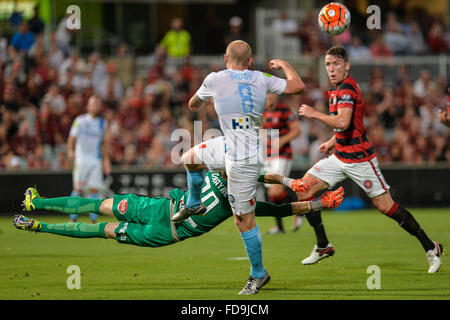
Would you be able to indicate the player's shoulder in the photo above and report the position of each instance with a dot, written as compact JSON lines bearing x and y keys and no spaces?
{"x":349,"y":84}
{"x":81,"y":117}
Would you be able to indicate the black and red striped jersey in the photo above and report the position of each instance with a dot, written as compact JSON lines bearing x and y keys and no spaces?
{"x":351,"y":144}
{"x":278,"y":119}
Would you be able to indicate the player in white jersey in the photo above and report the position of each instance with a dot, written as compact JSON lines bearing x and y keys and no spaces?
{"x":239,"y":96}
{"x":88,"y":146}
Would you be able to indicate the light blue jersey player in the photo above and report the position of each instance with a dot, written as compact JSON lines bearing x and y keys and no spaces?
{"x":239,"y":96}
{"x":88,"y":149}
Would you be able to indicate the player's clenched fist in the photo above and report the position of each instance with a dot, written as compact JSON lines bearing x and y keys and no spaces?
{"x":276,"y":64}
{"x":306,"y":111}
{"x":332,"y":199}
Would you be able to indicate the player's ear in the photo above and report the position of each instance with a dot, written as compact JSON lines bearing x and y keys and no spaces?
{"x":347,"y":66}
{"x":225,"y":58}
{"x":250,"y":61}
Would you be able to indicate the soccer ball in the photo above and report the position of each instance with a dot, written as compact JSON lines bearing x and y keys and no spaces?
{"x":334,"y":18}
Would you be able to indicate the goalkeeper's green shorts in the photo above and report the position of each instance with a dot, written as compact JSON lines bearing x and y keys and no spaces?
{"x":145,"y":221}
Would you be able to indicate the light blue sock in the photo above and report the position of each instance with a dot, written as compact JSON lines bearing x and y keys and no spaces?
{"x":253,"y":246}
{"x":74,"y":193}
{"x":195,"y":185}
{"x":93,"y":215}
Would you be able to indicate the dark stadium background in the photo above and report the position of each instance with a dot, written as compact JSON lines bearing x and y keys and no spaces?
{"x":404,"y":82}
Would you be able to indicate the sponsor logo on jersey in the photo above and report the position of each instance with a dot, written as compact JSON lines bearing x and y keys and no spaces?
{"x":240,"y":123}
{"x":122,"y":207}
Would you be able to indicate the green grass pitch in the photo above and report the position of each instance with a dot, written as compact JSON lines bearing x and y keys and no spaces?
{"x":33,"y":266}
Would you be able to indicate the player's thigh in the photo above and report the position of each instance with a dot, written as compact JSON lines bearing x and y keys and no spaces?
{"x":368,"y":176}
{"x":211,"y":153}
{"x":326,"y":173}
{"x":106,"y":207}
{"x":80,"y":174}
{"x":95,"y":176}
{"x":242,"y":181}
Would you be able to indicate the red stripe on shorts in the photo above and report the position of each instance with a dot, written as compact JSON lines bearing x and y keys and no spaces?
{"x":374,"y":170}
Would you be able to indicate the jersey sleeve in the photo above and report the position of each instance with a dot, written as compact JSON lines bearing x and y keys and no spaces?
{"x":274,"y":84}
{"x":206,"y":90}
{"x":268,"y":209}
{"x":75,"y":129}
{"x":346,"y":97}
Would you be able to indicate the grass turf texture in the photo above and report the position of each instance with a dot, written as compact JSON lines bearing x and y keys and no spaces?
{"x":33,"y":266}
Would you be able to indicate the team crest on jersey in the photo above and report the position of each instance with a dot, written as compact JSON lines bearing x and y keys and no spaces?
{"x":231,"y":198}
{"x":122,"y":207}
{"x":368,"y":184}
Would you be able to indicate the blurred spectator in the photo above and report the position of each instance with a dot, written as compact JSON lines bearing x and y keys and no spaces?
{"x":56,"y":101}
{"x":63,"y":36}
{"x":23,"y":39}
{"x":124,"y":62}
{"x":234,"y":31}
{"x":110,"y":88}
{"x":395,"y":39}
{"x":35,"y":24}
{"x":56,"y":55}
{"x":417,"y":43}
{"x":378,"y":48}
{"x":177,"y":41}
{"x":286,"y":41}
{"x":436,"y":40}
{"x":357,"y":51}
{"x":422,"y":84}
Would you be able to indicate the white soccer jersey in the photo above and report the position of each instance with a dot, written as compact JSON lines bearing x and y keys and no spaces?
{"x":239,"y":101}
{"x":89,"y":133}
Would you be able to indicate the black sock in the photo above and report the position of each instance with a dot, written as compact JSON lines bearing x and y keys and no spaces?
{"x":279,"y":223}
{"x":315,"y":220}
{"x":406,"y":220}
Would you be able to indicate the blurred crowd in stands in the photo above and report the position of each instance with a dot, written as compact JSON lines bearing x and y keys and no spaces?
{"x":44,"y":85}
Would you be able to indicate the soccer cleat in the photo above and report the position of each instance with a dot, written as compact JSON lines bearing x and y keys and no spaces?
{"x":185,"y":213}
{"x":30,"y":194}
{"x":253,"y":285}
{"x":434,"y":257}
{"x":23,"y":223}
{"x":298,"y":220}
{"x":274,"y":230}
{"x":318,"y":254}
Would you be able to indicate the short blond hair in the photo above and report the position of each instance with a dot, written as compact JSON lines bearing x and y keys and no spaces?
{"x":239,"y":52}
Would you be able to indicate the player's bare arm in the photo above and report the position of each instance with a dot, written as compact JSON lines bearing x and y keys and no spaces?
{"x":106,"y":151}
{"x":294,"y":84}
{"x":340,"y":121}
{"x":71,"y":147}
{"x":327,"y":147}
{"x":195,"y":103}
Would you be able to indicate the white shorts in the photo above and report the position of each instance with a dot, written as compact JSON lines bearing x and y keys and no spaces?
{"x":277,"y":165}
{"x":88,"y":174}
{"x":212,"y":153}
{"x":242,"y":182}
{"x":366,"y":174}
{"x":241,"y":177}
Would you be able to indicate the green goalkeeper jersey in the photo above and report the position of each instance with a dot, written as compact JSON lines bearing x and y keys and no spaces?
{"x":215,"y":198}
